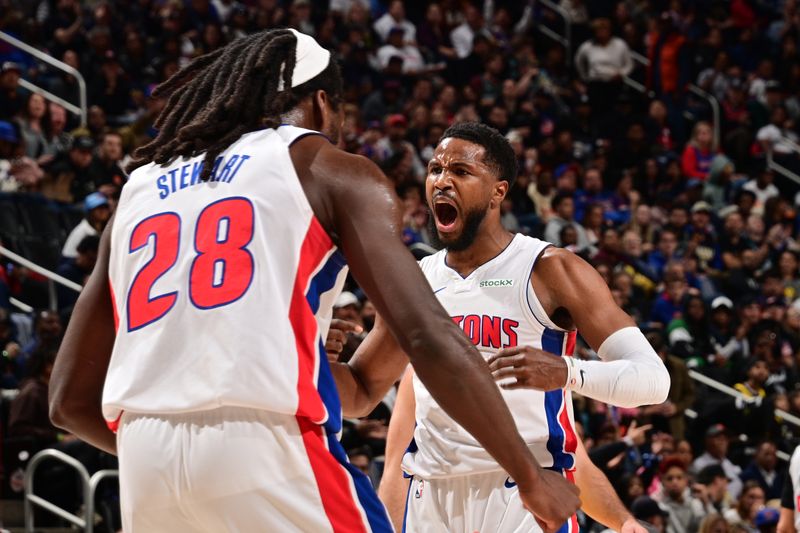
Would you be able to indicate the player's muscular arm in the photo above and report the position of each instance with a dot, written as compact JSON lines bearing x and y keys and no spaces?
{"x":630,"y":373}
{"x":364,"y":380}
{"x":393,"y":488}
{"x":599,"y":500}
{"x":574,"y":295}
{"x":76,"y":384}
{"x":366,"y":218}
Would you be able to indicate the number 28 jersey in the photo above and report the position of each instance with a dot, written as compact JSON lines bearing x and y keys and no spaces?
{"x":222,"y":290}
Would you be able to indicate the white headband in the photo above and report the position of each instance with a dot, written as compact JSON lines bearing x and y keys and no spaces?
{"x":311,"y":59}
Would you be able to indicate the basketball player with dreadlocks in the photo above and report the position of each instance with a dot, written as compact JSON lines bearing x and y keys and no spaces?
{"x":199,"y":337}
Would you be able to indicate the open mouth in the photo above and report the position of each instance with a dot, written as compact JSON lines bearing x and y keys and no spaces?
{"x":446,"y":215}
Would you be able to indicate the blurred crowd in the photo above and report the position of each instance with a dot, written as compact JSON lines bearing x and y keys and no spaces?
{"x":643,"y":141}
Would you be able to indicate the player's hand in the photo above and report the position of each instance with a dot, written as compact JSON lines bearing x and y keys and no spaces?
{"x":524,"y":367}
{"x":552,"y":501}
{"x":337,"y":337}
{"x":631,"y":525}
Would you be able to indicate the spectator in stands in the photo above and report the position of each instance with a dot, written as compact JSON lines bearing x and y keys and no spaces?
{"x":77,"y":269}
{"x":564,"y":207}
{"x":32,"y":122}
{"x":432,"y":35}
{"x":647,"y":509}
{"x":717,"y":189}
{"x":12,"y":98}
{"x":395,"y":17}
{"x":685,"y":511}
{"x":747,"y":508}
{"x":66,"y":178}
{"x":463,"y":36}
{"x":712,"y":488}
{"x":29,"y":415}
{"x":763,"y":188}
{"x":669,"y":304}
{"x":764,"y":470}
{"x":669,"y":416}
{"x":714,"y":464}
{"x":602,"y":63}
{"x":104,"y":170}
{"x":47,"y":332}
{"x":397,"y":47}
{"x":697,"y":156}
{"x":771,"y":138}
{"x":97,"y":212}
{"x":394,"y":144}
{"x":58,"y":140}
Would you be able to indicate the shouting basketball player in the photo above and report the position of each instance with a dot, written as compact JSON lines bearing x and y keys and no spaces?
{"x":200,"y":335}
{"x":520,"y":301}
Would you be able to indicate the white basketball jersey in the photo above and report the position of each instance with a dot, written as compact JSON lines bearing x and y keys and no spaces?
{"x":496,"y":307}
{"x":223,"y":290}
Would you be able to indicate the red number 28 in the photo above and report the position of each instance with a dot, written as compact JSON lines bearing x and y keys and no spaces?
{"x":221,"y":271}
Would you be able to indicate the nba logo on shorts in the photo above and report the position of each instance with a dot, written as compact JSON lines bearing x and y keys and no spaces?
{"x":420,"y":489}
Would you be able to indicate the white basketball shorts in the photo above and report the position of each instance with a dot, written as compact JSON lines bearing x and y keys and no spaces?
{"x":487,"y":503}
{"x":239,"y":470}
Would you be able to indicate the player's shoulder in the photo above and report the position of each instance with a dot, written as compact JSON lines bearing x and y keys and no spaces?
{"x":559,"y":265}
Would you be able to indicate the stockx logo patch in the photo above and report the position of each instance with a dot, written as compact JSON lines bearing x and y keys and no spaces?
{"x":493,"y":283}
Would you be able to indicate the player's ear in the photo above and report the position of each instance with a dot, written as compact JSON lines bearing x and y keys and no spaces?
{"x":499,"y":192}
{"x":323,"y":110}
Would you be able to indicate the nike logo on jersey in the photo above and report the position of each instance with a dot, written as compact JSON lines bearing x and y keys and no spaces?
{"x":488,"y":283}
{"x":582,"y":379}
{"x":509,"y":483}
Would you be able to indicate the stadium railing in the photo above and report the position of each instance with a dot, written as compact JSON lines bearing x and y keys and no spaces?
{"x":89,"y":486}
{"x":781,"y":169}
{"x":52,"y":278}
{"x":79,"y":109}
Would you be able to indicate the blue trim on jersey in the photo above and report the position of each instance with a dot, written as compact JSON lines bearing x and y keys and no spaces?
{"x":565,"y":528}
{"x":326,"y":387}
{"x":553,"y":342}
{"x":376,"y":513}
{"x":408,"y":495}
{"x":324,"y":280}
{"x":412,"y":448}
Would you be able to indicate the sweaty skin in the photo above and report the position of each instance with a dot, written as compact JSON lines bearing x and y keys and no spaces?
{"x":357,"y":206}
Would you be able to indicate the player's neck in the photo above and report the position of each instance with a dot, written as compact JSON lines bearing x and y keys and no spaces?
{"x":491,"y":240}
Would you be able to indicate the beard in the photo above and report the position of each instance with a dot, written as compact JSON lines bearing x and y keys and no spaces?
{"x":462,"y":241}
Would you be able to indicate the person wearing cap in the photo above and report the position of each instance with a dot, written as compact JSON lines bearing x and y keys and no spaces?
{"x":66,"y":178}
{"x":394,"y":144}
{"x":715,"y":459}
{"x":712,"y":488}
{"x":221,"y":266}
{"x":12,"y":97}
{"x":97,"y":213}
{"x":702,"y":239}
{"x":647,"y":509}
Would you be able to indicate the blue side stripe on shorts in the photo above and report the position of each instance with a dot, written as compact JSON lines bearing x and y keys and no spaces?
{"x":553,"y":342}
{"x":376,"y":513}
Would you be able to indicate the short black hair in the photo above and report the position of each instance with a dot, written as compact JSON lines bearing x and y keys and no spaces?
{"x":498,"y":152}
{"x":90,"y":243}
{"x":560,"y":197}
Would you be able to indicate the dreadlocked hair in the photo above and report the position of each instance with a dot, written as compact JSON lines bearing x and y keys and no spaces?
{"x":231,"y":91}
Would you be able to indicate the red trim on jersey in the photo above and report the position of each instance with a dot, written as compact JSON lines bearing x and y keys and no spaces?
{"x":332,"y":481}
{"x":573,"y":520}
{"x":113,"y":425}
{"x":114,"y":307}
{"x":571,"y":337}
{"x":570,"y":437}
{"x":316,"y":245}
